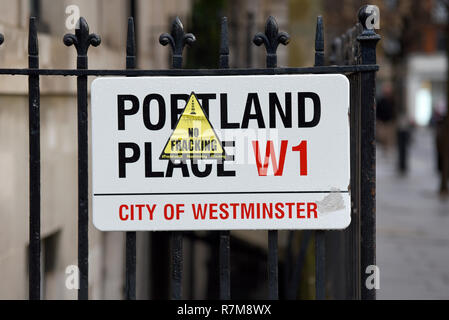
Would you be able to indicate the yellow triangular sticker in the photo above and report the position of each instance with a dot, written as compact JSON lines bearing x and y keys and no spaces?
{"x":193,"y":136}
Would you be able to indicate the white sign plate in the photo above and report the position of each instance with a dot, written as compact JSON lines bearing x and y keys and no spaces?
{"x":221,"y":153}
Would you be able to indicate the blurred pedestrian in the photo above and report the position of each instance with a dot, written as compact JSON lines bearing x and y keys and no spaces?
{"x":386,"y":112}
{"x":441,"y":122}
{"x":403,"y":142}
{"x":438,"y":115}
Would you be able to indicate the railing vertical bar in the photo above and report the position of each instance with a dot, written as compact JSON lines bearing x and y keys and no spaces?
{"x":293,"y":285}
{"x":271,"y":40}
{"x":35,"y":165}
{"x":320,"y":236}
{"x":176,"y":237}
{"x":273,"y":254}
{"x":288,"y":270}
{"x":177,"y":39}
{"x":273,"y":279}
{"x":177,"y":262}
{"x":358,"y":173}
{"x":225,"y":267}
{"x":368,"y":41}
{"x":192,"y":269}
{"x":130,"y":287}
{"x":353,"y":270}
{"x":225,"y":251}
{"x":82,"y":40}
{"x":83,"y":185}
{"x":319,"y":42}
{"x":320,"y":265}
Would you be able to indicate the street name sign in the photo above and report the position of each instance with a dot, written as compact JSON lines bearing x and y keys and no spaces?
{"x":266,"y":152}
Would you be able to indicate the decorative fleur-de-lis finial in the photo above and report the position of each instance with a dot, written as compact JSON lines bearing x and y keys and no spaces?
{"x":82,"y":40}
{"x":271,"y":39}
{"x":177,"y":39}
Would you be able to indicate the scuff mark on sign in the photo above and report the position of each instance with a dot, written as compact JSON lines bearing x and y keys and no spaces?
{"x":331,"y":203}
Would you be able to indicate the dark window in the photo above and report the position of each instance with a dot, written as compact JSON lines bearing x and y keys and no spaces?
{"x":441,"y":40}
{"x":49,"y":255}
{"x":49,"y":250}
{"x":133,"y":8}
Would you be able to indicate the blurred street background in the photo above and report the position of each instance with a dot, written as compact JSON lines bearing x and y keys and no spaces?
{"x":412,"y":225}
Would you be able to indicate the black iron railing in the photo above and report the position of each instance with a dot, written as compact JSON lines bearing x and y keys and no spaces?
{"x":354,"y":55}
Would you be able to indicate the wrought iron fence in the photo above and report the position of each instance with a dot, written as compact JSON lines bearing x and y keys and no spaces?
{"x":353,"y":54}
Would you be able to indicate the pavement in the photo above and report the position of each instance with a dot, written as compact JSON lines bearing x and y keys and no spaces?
{"x":412,"y":225}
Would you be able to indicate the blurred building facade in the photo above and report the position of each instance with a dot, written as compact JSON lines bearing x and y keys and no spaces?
{"x":245,"y":19}
{"x":107,"y":18}
{"x":412,"y":51}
